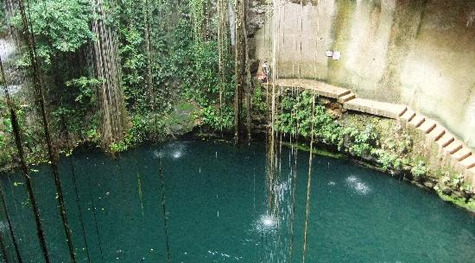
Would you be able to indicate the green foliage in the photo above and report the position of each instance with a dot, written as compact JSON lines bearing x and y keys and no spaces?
{"x":32,"y":143}
{"x":6,"y":143}
{"x":218,"y":118}
{"x":61,"y":30}
{"x":157,"y":42}
{"x":144,"y":127}
{"x":85,"y":90}
{"x":296,"y":118}
{"x":170,"y":51}
{"x":259,"y":104}
{"x":390,"y":161}
{"x":203,"y":86}
{"x":59,"y":26}
{"x":76,"y":114}
{"x":133,"y":68}
{"x":419,"y":170}
{"x":3,"y":18}
{"x":360,"y":143}
{"x":198,"y":14}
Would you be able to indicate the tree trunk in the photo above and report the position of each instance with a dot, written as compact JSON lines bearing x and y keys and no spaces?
{"x":110,"y":96}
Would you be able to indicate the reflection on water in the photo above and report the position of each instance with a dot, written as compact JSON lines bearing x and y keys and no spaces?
{"x":218,"y":210}
{"x":266,"y":223}
{"x":357,"y":185}
{"x":216,"y":255}
{"x":174,"y":150}
{"x":3,"y":226}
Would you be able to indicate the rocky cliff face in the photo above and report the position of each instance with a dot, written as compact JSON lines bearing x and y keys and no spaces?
{"x":420,"y":52}
{"x":8,"y":53}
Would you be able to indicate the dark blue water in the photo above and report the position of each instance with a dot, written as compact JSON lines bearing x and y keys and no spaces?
{"x":218,"y":210}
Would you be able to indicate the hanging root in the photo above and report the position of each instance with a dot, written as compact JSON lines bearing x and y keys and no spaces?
{"x":309,"y":181}
{"x":164,"y":211}
{"x":21,"y":155}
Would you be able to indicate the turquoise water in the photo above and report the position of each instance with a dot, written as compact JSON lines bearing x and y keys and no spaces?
{"x":217,"y":210}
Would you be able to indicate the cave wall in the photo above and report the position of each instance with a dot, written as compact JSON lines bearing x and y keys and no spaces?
{"x":416,"y":52}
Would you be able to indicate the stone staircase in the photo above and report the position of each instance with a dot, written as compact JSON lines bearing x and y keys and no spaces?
{"x":461,"y":158}
{"x":376,"y":108}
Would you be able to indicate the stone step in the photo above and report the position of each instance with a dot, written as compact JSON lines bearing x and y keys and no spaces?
{"x":462,"y":154}
{"x":344,"y":92}
{"x":453,"y":147}
{"x":445,"y":140}
{"x":408,"y":115}
{"x":437,"y":133}
{"x":417,"y":121}
{"x":378,"y":108}
{"x":469,"y":162}
{"x":320,"y":88}
{"x":427,"y":126}
{"x":346,"y":97}
{"x":402,"y":111}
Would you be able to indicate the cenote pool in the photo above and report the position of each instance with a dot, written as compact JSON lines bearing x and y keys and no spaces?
{"x":216,"y":209}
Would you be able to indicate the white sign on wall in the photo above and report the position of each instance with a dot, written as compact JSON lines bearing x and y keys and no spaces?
{"x":336,"y":55}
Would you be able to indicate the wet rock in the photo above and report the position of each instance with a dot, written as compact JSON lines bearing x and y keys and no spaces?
{"x":254,"y":66}
{"x":256,"y":17}
{"x":458,"y":194}
{"x":429,"y":184}
{"x":304,"y":2}
{"x":446,"y":190}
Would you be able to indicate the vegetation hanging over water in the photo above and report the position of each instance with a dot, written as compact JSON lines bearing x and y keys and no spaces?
{"x":115,"y":72}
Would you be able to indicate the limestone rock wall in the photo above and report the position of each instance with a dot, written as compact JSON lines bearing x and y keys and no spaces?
{"x":416,"y":52}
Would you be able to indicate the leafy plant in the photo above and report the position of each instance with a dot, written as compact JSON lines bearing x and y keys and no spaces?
{"x":59,"y":26}
{"x":259,"y":105}
{"x":360,"y":143}
{"x":419,"y":170}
